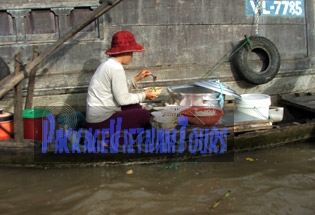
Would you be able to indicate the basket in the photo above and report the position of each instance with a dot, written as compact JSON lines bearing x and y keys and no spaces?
{"x":202,"y":115}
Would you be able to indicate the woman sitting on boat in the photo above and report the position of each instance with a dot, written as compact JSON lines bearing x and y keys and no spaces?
{"x":108,"y":95}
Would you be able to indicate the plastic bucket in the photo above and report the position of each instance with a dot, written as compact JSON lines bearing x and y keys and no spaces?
{"x":33,"y":123}
{"x":256,"y":105}
{"x":6,"y":125}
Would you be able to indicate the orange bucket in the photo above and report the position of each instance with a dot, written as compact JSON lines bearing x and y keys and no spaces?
{"x":6,"y":125}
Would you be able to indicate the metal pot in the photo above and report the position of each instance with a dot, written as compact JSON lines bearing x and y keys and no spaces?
{"x":190,"y":95}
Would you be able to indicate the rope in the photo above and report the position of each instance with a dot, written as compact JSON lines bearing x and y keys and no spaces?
{"x":221,"y":94}
{"x":257,"y":12}
{"x":22,"y":66}
{"x":176,"y":162}
{"x":247,"y":41}
{"x":220,"y":97}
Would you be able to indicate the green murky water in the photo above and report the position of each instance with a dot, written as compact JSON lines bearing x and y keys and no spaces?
{"x":279,"y":181}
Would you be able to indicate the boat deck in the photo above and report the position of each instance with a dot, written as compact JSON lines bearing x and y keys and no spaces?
{"x":241,"y":122}
{"x":302,"y":102}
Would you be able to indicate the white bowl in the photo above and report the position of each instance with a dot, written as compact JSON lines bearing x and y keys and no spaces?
{"x":168,"y":125}
{"x":147,"y":106}
{"x":163,"y":117}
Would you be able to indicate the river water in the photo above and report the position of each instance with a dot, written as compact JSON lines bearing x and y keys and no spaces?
{"x":272,"y":181}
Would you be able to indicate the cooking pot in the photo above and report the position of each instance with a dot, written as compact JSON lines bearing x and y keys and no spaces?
{"x":191,"y":95}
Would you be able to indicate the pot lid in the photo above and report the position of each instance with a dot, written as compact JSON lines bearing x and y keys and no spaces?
{"x":189,"y":90}
{"x":5,"y":116}
{"x":218,"y":87}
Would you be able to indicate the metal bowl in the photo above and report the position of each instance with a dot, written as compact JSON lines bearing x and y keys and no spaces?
{"x":190,"y":95}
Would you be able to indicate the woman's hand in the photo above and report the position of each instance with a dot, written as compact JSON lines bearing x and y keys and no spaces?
{"x":143,"y":74}
{"x":149,"y":94}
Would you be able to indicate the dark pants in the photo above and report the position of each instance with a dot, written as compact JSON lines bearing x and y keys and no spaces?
{"x":133,"y":116}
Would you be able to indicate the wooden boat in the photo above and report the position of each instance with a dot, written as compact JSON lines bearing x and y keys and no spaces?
{"x":185,"y":42}
{"x":246,"y":135}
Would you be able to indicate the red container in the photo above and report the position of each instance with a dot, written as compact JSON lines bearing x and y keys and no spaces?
{"x":6,"y":125}
{"x":33,"y":123}
{"x":202,"y":115}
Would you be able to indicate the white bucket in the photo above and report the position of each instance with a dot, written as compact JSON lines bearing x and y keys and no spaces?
{"x":256,"y":105}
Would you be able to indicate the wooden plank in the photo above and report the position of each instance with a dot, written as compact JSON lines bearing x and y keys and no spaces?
{"x":252,"y":126}
{"x":6,"y":79}
{"x":18,"y":121}
{"x":31,"y":82}
{"x":303,"y":102}
{"x":30,"y":66}
{"x":275,"y":137}
{"x":239,"y":127}
{"x":241,"y":122}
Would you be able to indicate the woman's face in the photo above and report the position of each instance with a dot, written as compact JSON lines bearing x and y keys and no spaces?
{"x":126,"y":58}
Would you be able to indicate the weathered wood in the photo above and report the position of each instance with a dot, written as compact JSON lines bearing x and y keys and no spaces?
{"x":274,"y":137}
{"x":18,"y":121}
{"x":303,"y":102}
{"x":14,"y":154}
{"x":31,"y":82}
{"x":6,"y":79}
{"x":31,"y":65}
{"x":238,"y":122}
{"x":252,"y":126}
{"x":241,"y":127}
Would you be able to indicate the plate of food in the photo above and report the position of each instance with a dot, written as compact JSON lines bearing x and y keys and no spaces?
{"x":156,"y":90}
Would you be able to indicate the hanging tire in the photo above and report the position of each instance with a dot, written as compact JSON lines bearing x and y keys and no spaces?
{"x":258,"y":64}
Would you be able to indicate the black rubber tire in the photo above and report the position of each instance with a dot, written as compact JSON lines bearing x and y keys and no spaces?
{"x":268,"y":54}
{"x":4,"y":69}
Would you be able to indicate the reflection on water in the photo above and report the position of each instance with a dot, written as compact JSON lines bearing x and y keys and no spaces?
{"x":278,"y":181}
